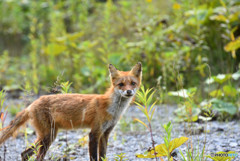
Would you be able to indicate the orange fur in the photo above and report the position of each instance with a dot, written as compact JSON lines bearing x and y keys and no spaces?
{"x":70,"y":111}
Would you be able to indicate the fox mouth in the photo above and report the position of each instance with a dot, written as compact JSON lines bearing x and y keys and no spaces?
{"x":128,"y":95}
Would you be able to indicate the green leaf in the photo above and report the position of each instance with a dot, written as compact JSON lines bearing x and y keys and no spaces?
{"x":193,"y":118}
{"x":55,"y":49}
{"x":216,"y":93}
{"x":183,"y":114}
{"x":219,"y":18}
{"x":229,"y":91}
{"x":221,"y":78}
{"x":141,"y":122}
{"x":233,"y":45}
{"x":161,"y":149}
{"x":222,"y":106}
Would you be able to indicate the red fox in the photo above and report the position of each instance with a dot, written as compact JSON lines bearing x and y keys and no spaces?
{"x":98,"y":112}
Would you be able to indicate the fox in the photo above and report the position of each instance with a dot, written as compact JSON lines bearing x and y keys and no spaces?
{"x":99,"y":112}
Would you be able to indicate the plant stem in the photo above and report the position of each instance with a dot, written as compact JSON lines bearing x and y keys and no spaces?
{"x":153,"y":144}
{"x":5,"y":151}
{"x":67,"y":145}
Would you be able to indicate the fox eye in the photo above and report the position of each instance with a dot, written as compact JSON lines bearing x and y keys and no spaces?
{"x":121,"y":84}
{"x":133,"y":83}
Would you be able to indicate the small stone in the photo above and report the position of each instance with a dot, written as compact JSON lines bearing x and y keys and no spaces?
{"x":211,"y":147}
{"x":232,"y":144}
{"x":220,"y":129}
{"x":224,"y":144}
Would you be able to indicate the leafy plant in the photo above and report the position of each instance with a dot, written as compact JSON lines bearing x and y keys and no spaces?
{"x":145,"y":97}
{"x":167,"y":148}
{"x":83,"y":141}
{"x":193,"y":154}
{"x":104,"y":159}
{"x":3,"y":110}
{"x":65,"y":87}
{"x":35,"y":147}
{"x":120,"y":157}
{"x":188,"y":110}
{"x":163,"y":150}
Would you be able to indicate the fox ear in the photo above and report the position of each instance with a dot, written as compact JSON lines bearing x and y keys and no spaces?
{"x":137,"y":70}
{"x":113,"y":71}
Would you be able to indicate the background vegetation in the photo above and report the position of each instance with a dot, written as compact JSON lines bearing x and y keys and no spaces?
{"x":180,"y":43}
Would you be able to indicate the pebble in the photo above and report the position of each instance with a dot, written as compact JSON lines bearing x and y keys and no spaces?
{"x":233,"y":144}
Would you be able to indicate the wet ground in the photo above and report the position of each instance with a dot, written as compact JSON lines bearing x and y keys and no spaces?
{"x":131,"y":137}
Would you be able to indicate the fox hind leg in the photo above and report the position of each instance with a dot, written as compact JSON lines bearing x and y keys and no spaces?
{"x":26,"y":154}
{"x":45,"y":144}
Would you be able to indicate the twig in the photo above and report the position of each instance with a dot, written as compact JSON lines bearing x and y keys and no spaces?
{"x":4,"y":152}
{"x":153,"y":143}
{"x":67,"y":144}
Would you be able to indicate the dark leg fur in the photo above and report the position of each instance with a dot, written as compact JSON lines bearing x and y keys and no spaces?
{"x":27,"y":153}
{"x":45,"y":144}
{"x":93,"y":145}
{"x":103,"y":144}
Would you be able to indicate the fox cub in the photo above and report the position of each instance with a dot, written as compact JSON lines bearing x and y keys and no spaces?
{"x":98,"y":112}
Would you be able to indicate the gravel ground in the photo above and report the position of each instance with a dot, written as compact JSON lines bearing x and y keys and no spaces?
{"x":132,"y":138}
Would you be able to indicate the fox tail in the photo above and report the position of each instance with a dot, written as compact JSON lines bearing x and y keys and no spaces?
{"x":20,"y":119}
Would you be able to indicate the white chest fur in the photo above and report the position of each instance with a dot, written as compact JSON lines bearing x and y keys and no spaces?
{"x":116,"y":109}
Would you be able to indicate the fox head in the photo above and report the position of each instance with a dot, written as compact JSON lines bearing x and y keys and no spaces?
{"x":126,"y":83}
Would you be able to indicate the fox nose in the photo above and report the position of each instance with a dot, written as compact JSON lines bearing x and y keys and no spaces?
{"x":129,"y":91}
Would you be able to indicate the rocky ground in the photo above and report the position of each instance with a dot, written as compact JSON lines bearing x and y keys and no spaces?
{"x":131,"y":138}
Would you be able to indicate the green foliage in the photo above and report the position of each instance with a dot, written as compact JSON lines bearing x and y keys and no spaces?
{"x":35,"y":148}
{"x":188,"y":110}
{"x":147,"y":107}
{"x":224,"y":107}
{"x":163,"y":150}
{"x":194,"y":154}
{"x":65,"y":87}
{"x":83,"y":141}
{"x":42,"y":39}
{"x":223,"y":86}
{"x":224,"y":95}
{"x":3,"y":109}
{"x":13,"y":110}
{"x":120,"y":157}
{"x":145,"y":97}
{"x":166,"y":148}
{"x":168,"y":129}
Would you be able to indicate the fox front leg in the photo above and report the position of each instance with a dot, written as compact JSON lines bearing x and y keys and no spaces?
{"x":103,"y":144}
{"x":93,"y":145}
